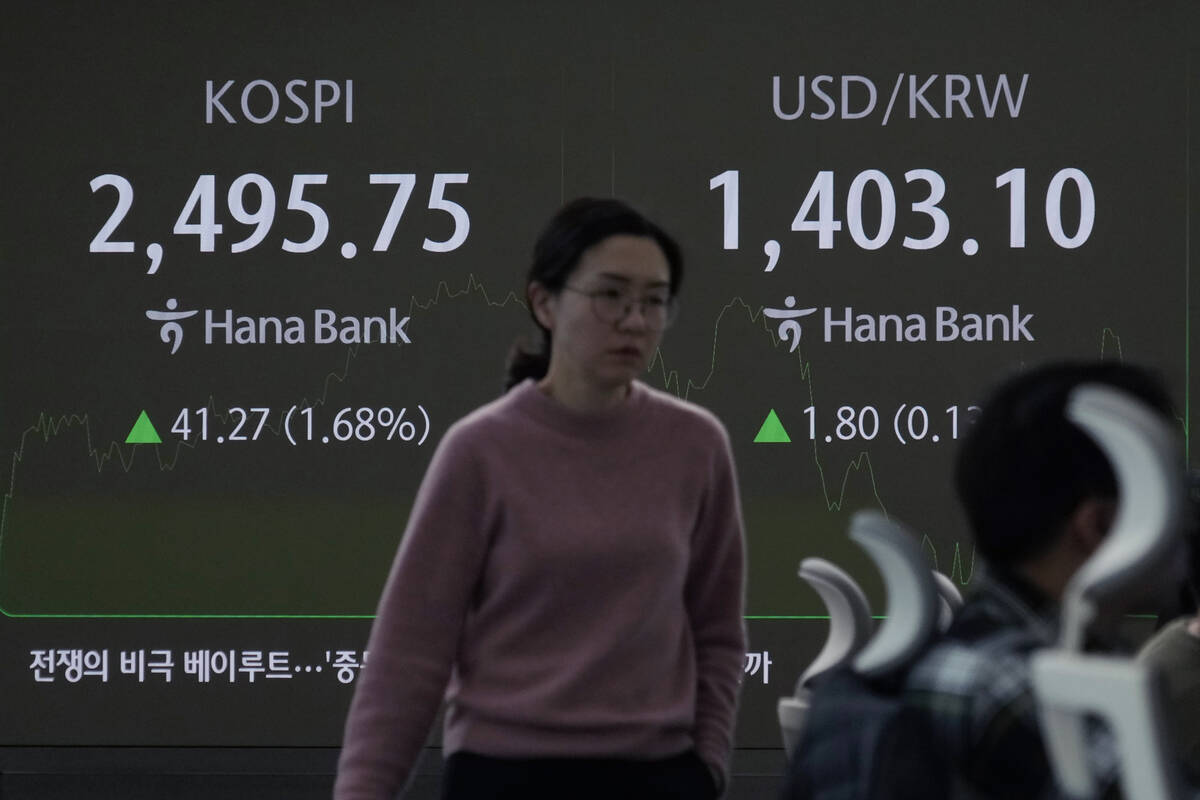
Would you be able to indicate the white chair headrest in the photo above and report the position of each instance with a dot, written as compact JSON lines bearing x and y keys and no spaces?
{"x":912,"y":596}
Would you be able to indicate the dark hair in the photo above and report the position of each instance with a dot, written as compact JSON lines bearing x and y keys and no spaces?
{"x":577,"y":226}
{"x":1023,"y":468}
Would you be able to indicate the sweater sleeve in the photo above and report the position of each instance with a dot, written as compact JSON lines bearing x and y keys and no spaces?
{"x":715,"y":602}
{"x":414,"y":637}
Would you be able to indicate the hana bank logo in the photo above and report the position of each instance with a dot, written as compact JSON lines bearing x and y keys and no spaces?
{"x":937,"y":324}
{"x":322,"y":326}
{"x":171,"y":331}
{"x":789,"y":329}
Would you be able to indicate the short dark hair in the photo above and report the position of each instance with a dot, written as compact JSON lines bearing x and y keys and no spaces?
{"x":578,"y":225}
{"x":1023,"y":468}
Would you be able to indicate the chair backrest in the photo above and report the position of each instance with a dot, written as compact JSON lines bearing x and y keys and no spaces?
{"x":1136,"y":561}
{"x":951,"y":600}
{"x":850,"y":623}
{"x":859,"y":739}
{"x":1074,"y":688}
{"x":912,"y":595}
{"x":919,"y":602}
{"x":1142,"y":556}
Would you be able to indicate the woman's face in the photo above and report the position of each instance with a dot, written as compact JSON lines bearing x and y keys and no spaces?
{"x":592,"y":337}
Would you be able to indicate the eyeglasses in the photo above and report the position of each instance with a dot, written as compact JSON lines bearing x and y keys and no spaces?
{"x":613,"y":305}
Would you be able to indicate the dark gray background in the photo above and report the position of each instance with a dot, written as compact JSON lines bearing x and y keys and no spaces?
{"x":539,"y":102}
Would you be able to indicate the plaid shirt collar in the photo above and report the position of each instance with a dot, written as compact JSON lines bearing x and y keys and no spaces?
{"x":1004,"y":600}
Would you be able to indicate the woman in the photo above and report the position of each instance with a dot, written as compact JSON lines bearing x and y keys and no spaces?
{"x":571,"y":578}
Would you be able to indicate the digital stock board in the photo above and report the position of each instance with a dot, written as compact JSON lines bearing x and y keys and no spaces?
{"x":256,"y":258}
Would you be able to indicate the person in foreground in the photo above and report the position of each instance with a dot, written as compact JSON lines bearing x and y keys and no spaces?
{"x":571,"y":578}
{"x":1040,"y":498}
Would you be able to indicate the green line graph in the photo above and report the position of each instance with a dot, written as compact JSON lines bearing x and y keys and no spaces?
{"x":831,"y":493}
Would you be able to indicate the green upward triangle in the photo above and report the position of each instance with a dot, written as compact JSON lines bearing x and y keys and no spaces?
{"x":772,"y":430}
{"x":143,"y":431}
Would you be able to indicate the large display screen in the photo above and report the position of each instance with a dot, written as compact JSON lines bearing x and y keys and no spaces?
{"x":257,"y":257}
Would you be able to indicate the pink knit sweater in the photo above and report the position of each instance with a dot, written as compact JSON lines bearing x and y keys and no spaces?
{"x":570,"y":584}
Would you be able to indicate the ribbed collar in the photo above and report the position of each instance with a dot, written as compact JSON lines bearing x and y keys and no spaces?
{"x":529,"y":400}
{"x":1015,"y":601}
